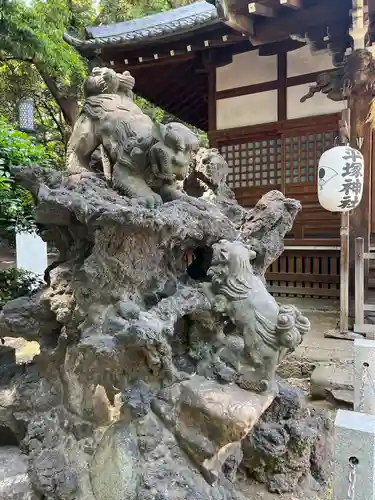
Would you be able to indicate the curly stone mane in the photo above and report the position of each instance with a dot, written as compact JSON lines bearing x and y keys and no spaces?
{"x":96,"y":107}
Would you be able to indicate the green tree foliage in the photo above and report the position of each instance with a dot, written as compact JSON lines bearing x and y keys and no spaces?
{"x":31,"y":32}
{"x":19,"y":79}
{"x":34,"y":59}
{"x":16,"y":204}
{"x":16,"y":283}
{"x":111,"y":11}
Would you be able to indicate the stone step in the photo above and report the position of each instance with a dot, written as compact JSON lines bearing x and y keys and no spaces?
{"x":329,"y":380}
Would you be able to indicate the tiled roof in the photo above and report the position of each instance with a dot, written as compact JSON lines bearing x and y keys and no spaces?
{"x":171,"y":22}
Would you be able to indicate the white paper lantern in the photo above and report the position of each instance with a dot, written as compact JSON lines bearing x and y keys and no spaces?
{"x":26,"y":114}
{"x":340,"y":179}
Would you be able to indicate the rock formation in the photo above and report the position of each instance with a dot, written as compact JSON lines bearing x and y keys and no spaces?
{"x":290,"y":446}
{"x":159,"y":341}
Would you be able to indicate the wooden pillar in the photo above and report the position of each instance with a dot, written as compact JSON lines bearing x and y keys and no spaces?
{"x":282,"y":86}
{"x":359,"y":101}
{"x":344,"y":273}
{"x":360,"y":219}
{"x":212,"y":97}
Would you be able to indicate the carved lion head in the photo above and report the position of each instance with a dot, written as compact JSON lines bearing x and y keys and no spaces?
{"x":231,"y":272}
{"x":101,"y":81}
{"x":177,"y":137}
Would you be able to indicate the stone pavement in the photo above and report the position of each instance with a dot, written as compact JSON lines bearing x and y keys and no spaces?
{"x":324,"y":317}
{"x":7,"y":258}
{"x":322,"y":367}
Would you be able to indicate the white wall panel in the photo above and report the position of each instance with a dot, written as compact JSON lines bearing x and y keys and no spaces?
{"x":245,"y":110}
{"x":317,"y":105}
{"x":302,"y":61}
{"x":246,"y":69}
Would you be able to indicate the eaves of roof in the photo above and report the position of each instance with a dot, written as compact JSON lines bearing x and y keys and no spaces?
{"x":157,"y":26}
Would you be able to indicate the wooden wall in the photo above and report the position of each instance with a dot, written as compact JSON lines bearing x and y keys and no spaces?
{"x":284,"y":156}
{"x":273,"y":141}
{"x":256,"y":89}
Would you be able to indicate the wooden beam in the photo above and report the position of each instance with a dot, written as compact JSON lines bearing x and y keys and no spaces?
{"x":255,"y":88}
{"x":275,"y":30}
{"x":292,"y":81}
{"x":212,"y":97}
{"x":305,"y":125}
{"x":282,"y":87}
{"x":162,"y":61}
{"x":261,"y":10}
{"x":292,"y":4}
{"x":240,"y":22}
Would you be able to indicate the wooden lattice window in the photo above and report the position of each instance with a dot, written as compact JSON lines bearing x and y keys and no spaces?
{"x":302,"y":155}
{"x":255,"y":163}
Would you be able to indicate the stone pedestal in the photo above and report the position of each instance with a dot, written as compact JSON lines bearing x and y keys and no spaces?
{"x":364,"y":376}
{"x":354,"y":455}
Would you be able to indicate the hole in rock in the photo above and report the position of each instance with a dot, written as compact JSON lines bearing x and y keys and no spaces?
{"x":201,"y":261}
{"x":7,"y":437}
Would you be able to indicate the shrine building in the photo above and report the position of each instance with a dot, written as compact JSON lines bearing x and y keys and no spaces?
{"x":242,"y":72}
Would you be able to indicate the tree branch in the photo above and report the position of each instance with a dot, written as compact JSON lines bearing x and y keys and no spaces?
{"x":52,"y":115}
{"x":42,"y":122}
{"x":69,"y":107}
{"x":17,"y":58}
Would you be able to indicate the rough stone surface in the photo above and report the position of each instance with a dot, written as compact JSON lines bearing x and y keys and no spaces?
{"x":328,"y":377}
{"x":144,"y":160}
{"x":342,"y":396}
{"x":114,"y":467}
{"x":210,"y":420}
{"x":28,"y":317}
{"x":159,"y":342}
{"x":275,"y":213}
{"x":7,"y":355}
{"x":14,"y":480}
{"x":291,"y":444}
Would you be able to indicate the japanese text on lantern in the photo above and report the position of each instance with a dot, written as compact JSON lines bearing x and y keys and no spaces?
{"x":352,"y":179}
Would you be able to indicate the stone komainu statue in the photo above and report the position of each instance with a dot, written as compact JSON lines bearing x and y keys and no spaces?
{"x":142,"y":159}
{"x":269,"y":331}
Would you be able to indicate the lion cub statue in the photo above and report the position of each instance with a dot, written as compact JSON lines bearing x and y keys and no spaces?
{"x":144,"y":160}
{"x":269,"y":331}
